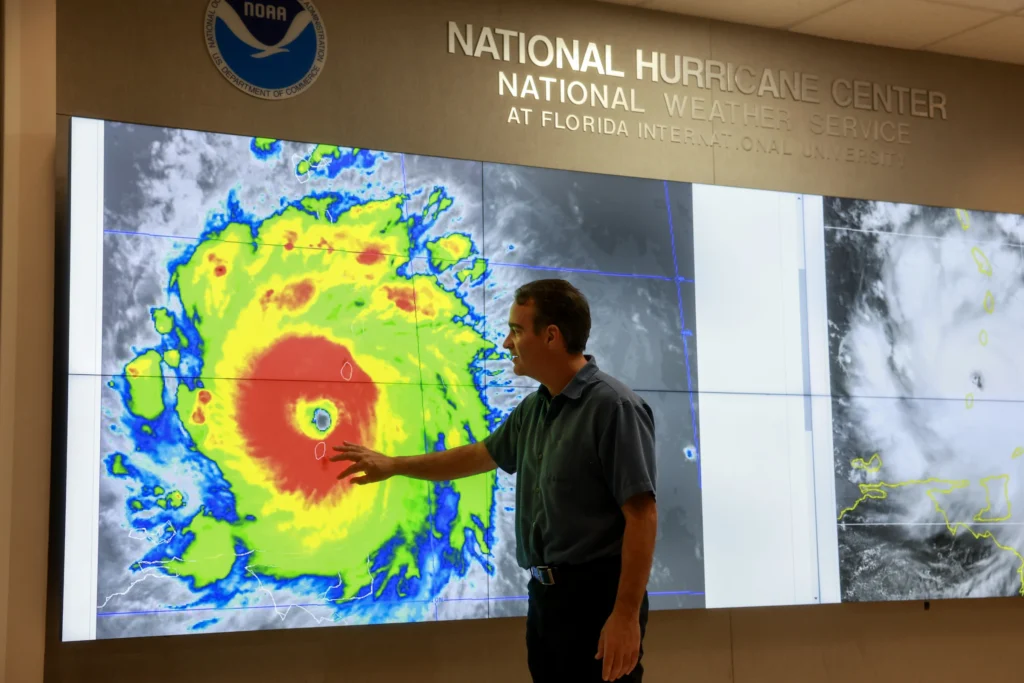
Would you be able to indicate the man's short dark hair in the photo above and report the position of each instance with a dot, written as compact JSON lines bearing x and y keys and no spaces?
{"x":556,"y":302}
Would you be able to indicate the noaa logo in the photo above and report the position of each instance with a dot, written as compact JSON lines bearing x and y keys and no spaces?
{"x":271,"y":50}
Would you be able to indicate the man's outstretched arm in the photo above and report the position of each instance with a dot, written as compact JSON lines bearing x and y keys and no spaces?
{"x":368,"y":466}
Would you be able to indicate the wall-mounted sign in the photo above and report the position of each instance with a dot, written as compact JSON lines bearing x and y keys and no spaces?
{"x":271,"y":50}
{"x":570,"y":86}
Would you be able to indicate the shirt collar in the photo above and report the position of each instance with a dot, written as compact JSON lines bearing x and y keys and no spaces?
{"x":574,"y":389}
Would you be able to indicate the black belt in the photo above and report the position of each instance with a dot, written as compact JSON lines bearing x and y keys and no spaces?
{"x":548,"y":575}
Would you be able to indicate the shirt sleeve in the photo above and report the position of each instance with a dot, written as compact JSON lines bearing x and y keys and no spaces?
{"x":501,"y":443}
{"x":627,"y":451}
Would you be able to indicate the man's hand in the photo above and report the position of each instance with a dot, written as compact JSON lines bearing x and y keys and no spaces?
{"x":370,"y":466}
{"x":619,"y":645}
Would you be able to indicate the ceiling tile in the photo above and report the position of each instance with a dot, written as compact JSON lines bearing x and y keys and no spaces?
{"x":906,"y":23}
{"x":771,"y":13}
{"x":1002,"y":41}
{"x":1007,"y":6}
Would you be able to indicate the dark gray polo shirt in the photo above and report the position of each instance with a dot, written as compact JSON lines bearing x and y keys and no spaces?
{"x":577,"y":457}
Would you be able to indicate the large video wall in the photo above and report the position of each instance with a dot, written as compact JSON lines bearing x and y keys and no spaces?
{"x":849,"y":430}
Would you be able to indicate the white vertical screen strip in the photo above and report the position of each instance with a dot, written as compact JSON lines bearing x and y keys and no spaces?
{"x":821,"y":403}
{"x":757,"y":466}
{"x":85,"y":324}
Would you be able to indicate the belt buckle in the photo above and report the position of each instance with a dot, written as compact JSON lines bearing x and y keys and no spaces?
{"x":546,"y":575}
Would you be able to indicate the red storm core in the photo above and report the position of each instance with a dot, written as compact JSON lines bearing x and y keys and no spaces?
{"x":295,"y":369}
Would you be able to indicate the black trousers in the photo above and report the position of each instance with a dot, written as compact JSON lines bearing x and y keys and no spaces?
{"x":564,"y":622}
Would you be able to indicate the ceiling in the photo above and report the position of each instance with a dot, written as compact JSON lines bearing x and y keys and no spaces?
{"x":985,"y":29}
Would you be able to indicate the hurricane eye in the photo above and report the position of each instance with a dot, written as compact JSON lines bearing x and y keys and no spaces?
{"x":322,"y":419}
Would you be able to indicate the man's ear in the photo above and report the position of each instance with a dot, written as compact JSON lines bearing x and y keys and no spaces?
{"x":551,"y":334}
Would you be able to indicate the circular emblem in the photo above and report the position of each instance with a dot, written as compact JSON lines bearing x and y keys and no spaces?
{"x":271,"y":50}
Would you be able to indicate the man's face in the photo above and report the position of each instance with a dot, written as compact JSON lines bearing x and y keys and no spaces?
{"x":528,"y":348}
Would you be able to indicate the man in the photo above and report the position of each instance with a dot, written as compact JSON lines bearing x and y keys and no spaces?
{"x":582,"y":450}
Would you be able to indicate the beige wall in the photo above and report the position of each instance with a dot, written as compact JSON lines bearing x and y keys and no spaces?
{"x":26,"y":327}
{"x":145,"y":62}
{"x":391,"y":84}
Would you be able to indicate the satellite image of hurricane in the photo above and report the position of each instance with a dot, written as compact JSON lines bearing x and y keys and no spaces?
{"x":926,"y":326}
{"x":264,"y":300}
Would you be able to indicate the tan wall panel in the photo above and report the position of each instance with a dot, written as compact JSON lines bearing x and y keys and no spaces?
{"x":390,"y":83}
{"x":974,"y":159}
{"x":398,"y":90}
{"x":26,"y":326}
{"x":425,"y":653}
{"x":952,"y":641}
{"x":823,"y":644}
